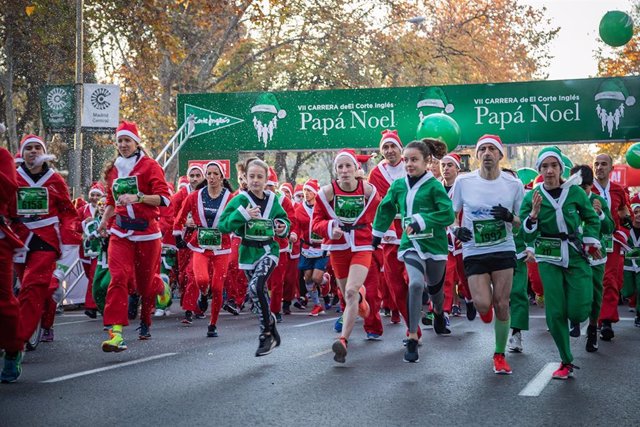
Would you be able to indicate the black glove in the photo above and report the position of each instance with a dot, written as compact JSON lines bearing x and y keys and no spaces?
{"x":414,"y":226}
{"x":500,"y":212}
{"x":376,"y":242}
{"x":104,"y":243}
{"x":626,"y":222}
{"x":462,"y":233}
{"x":180,"y":243}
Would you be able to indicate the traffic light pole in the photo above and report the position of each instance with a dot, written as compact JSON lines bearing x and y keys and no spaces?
{"x":75,"y":166}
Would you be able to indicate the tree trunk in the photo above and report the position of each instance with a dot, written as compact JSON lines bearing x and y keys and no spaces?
{"x":7,"y":85}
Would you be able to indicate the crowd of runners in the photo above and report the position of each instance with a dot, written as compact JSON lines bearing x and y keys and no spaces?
{"x":416,"y":240}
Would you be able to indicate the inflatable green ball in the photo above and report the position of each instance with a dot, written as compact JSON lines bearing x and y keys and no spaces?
{"x":616,"y":28}
{"x":164,"y":299}
{"x":527,"y":175}
{"x":633,"y":156}
{"x":440,"y":127}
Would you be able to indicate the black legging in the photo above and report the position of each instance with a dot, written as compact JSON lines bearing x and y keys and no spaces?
{"x":258,"y":289}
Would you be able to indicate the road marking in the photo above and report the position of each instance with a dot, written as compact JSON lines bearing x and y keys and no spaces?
{"x":107,"y":368}
{"x":322,"y":353}
{"x":539,"y":382}
{"x":315,"y":322}
{"x":541,"y":316}
{"x":75,"y":321}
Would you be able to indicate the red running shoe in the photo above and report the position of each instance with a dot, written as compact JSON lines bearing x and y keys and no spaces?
{"x":317,"y":309}
{"x":564,"y":371}
{"x":500,"y":365}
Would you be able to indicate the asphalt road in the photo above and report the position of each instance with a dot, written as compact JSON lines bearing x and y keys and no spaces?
{"x":180,"y":377}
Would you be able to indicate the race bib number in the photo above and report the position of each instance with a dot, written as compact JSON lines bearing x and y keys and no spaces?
{"x":127,"y":185}
{"x":33,"y":201}
{"x":607,"y":239}
{"x":548,"y":249}
{"x":259,"y":229}
{"x":489,"y":232}
{"x":315,"y":238}
{"x":424,"y":234}
{"x":348,"y":208}
{"x":209,"y":238}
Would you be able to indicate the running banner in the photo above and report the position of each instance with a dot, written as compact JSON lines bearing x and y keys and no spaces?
{"x":538,"y":112}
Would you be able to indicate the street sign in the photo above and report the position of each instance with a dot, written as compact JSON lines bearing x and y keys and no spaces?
{"x":57,"y":107}
{"x":100,"y":107}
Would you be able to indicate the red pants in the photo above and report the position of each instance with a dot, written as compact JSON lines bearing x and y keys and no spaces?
{"x":236,"y":281}
{"x":276,"y":283}
{"x":612,"y":284}
{"x":291,"y":279}
{"x":9,"y":306}
{"x":534,"y":278}
{"x":35,"y":278}
{"x":185,"y":269}
{"x":139,"y":261}
{"x":397,"y":279}
{"x":450,"y":279}
{"x":89,"y":271}
{"x":463,"y":283}
{"x":49,"y":311}
{"x":372,"y":283}
{"x":209,"y":270}
{"x":393,"y":272}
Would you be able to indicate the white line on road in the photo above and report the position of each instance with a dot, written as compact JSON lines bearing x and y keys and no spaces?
{"x":322,"y":353}
{"x":542,"y":316}
{"x":107,"y":368}
{"x":75,"y":321}
{"x":313,"y":323}
{"x":539,"y":382}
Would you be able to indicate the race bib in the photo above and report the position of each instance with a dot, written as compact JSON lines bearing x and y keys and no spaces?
{"x":489,"y":232}
{"x":424,"y":234}
{"x":209,"y":238}
{"x":348,"y":208}
{"x":548,"y":249}
{"x":33,"y":201}
{"x":127,"y":185}
{"x":259,"y":229}
{"x":607,"y":239}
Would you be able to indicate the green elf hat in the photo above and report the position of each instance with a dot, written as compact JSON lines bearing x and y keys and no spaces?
{"x":434,"y":97}
{"x":267,"y":103}
{"x":615,"y":90}
{"x":547,"y":152}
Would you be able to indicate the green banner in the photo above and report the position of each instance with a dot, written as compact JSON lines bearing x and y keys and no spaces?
{"x":538,"y":112}
{"x":57,"y":106}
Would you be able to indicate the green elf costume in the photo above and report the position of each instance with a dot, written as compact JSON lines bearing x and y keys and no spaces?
{"x":519,"y":298}
{"x":631,"y":284}
{"x":565,"y":224}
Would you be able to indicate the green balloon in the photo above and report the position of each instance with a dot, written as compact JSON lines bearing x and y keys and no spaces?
{"x":527,"y":175}
{"x":616,"y":28}
{"x":568,"y":164}
{"x":440,"y":127}
{"x":633,"y":156}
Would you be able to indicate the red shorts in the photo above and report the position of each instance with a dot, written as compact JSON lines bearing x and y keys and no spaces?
{"x":342,"y":260}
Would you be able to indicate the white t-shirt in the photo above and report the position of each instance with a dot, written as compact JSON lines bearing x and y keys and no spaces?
{"x":475,"y":196}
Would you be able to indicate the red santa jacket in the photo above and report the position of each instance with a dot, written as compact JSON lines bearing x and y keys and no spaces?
{"x":381,"y":177}
{"x":358,"y":238}
{"x":150,"y":177}
{"x":617,"y":198}
{"x":193,"y":204}
{"x":287,"y":205}
{"x":8,"y":189}
{"x":310,"y":242}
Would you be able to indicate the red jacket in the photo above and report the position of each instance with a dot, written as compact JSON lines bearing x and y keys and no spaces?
{"x":287,"y":205}
{"x":193,"y":204}
{"x":617,"y":198}
{"x":150,"y":182}
{"x":8,"y":190}
{"x":381,"y":178}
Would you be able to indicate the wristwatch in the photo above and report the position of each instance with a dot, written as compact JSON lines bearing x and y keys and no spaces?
{"x":140,"y":197}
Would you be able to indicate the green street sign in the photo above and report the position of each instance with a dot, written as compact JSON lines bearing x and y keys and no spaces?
{"x":537,"y":112}
{"x":57,"y":106}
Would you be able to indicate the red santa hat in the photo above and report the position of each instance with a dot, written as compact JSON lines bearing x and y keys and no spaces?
{"x":287,"y":188}
{"x":297,"y":190}
{"x":490,"y":139}
{"x":98,"y":188}
{"x":273,"y":177}
{"x":215,"y":163}
{"x":452,"y":157}
{"x":635,"y":199}
{"x":357,"y":159}
{"x":392,"y":137}
{"x":18,"y":158}
{"x":183,"y":181}
{"x":193,"y":166}
{"x":312,"y":185}
{"x":539,"y":180}
{"x":129,"y":129}
{"x":28,"y":139}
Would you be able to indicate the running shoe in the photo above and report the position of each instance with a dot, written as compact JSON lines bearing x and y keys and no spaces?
{"x":471,"y":310}
{"x":232,"y":308}
{"x":405,"y":342}
{"x":564,"y":371}
{"x":132,"y":311}
{"x":159,"y":313}
{"x":488,"y":317}
{"x":298,"y":305}
{"x":574,"y":330}
{"x":47,"y":335}
{"x":395,"y":317}
{"x":144,"y":333}
{"x":203,"y":303}
{"x":363,"y":306}
{"x":266,"y":344}
{"x":317,"y":310}
{"x":515,"y":343}
{"x":91,"y":313}
{"x":199,"y":315}
{"x":338,"y":325}
{"x":212,"y":331}
{"x":592,"y":339}
{"x":278,"y":317}
{"x":440,"y":324}
{"x":500,"y":365}
{"x":411,"y":352}
{"x":373,"y":337}
{"x":286,"y":307}
{"x":115,"y":343}
{"x":12,"y":368}
{"x":339,"y":348}
{"x":637,"y":322}
{"x":427,"y":318}
{"x":606,"y":333}
{"x":188,"y":318}
{"x":455,"y":311}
